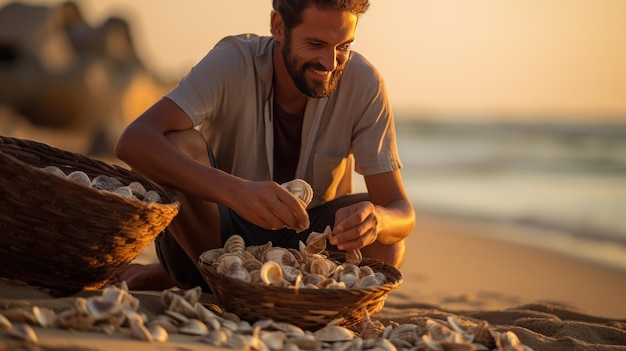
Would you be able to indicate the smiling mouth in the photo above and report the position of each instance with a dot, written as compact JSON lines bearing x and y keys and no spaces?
{"x":320,"y":73}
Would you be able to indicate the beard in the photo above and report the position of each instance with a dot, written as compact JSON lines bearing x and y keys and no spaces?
{"x":314,"y":88}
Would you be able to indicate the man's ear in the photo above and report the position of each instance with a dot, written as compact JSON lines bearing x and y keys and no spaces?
{"x":277,"y":26}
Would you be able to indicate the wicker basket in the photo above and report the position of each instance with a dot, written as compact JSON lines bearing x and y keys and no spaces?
{"x":309,"y":309}
{"x":65,"y":236}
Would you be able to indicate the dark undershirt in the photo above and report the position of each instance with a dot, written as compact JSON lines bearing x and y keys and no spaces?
{"x":287,"y":139}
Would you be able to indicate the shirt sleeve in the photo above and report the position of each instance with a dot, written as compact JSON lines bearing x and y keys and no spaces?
{"x":374,"y":136}
{"x":201,"y":93}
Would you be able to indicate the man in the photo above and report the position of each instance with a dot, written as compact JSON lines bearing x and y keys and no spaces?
{"x":298,"y":104}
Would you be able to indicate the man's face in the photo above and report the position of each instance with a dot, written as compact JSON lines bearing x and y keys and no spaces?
{"x":317,"y":51}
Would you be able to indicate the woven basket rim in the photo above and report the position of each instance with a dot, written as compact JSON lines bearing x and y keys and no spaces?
{"x":14,"y":161}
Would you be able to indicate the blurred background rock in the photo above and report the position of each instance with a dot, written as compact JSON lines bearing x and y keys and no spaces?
{"x":66,"y":78}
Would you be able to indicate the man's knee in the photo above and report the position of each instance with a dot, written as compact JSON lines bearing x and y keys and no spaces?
{"x":390,"y":254}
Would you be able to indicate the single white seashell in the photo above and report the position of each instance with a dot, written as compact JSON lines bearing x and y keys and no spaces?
{"x":182,"y":306}
{"x":194,"y":327}
{"x":272,"y":273}
{"x":385,"y":345}
{"x":349,"y":275}
{"x":312,"y":279}
{"x":366,"y":270}
{"x":316,"y":242}
{"x":193,"y":295}
{"x":54,"y":170}
{"x":255,"y":276}
{"x":336,"y":285}
{"x":244,"y":327}
{"x":326,"y":282}
{"x":368,"y":328}
{"x":332,"y":333}
{"x":369,"y":281}
{"x":306,"y":341}
{"x":404,"y":332}
{"x":100,"y":308}
{"x":159,"y":334}
{"x":105,"y":182}
{"x":288,"y":328}
{"x":381,"y":277}
{"x":24,"y":332}
{"x":263,"y":324}
{"x":291,"y":274}
{"x":252,"y":264}
{"x":509,"y":338}
{"x":45,"y":317}
{"x":20,"y":315}
{"x":211,"y":256}
{"x":177,"y":316}
{"x":354,"y":257}
{"x":152,"y":196}
{"x":237,"y":271}
{"x":168,"y":323}
{"x":139,"y":331}
{"x":300,"y":189}
{"x":5,"y":323}
{"x":138,"y":190}
{"x":79,"y":177}
{"x":123,"y":191}
{"x":275,"y":340}
{"x":226,"y":261}
{"x":296,"y":253}
{"x":431,"y":343}
{"x":321,"y":266}
{"x":455,"y":324}
{"x":234,"y":244}
{"x":114,"y":294}
{"x":258,"y":250}
{"x":207,"y":316}
{"x":216,"y":338}
{"x":228,"y":324}
{"x":442,"y":333}
{"x":281,"y":256}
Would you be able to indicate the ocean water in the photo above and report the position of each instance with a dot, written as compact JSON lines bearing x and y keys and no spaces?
{"x":567,"y":179}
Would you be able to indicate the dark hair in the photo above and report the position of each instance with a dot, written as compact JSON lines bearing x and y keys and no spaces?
{"x":291,"y":10}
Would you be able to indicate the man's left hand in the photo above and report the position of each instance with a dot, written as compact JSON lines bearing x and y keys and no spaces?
{"x":356,"y":226}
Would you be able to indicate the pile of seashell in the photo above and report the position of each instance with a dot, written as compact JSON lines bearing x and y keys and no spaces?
{"x":116,"y":310}
{"x":307,"y":267}
{"x":134,"y":190}
{"x":108,"y":312}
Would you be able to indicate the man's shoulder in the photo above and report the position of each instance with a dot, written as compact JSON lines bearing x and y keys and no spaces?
{"x":247,"y":41}
{"x":360,"y":69}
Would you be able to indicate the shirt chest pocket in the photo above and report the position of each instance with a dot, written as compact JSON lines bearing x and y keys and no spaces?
{"x":332,"y":178}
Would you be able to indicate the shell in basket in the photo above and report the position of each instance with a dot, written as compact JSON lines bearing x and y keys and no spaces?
{"x":65,"y":235}
{"x":306,"y":287}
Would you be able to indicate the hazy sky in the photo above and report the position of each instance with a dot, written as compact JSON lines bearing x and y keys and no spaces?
{"x":529,"y":57}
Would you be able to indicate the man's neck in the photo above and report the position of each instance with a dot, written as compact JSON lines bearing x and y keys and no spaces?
{"x":286,"y":94}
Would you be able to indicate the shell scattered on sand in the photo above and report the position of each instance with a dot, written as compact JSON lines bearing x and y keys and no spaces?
{"x":308,"y":267}
{"x":116,"y":310}
{"x":134,"y":190}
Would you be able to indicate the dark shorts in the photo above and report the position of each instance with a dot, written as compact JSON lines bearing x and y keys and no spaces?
{"x":187,"y":276}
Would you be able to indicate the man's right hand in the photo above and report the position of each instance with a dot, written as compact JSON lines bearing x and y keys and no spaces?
{"x":269,"y":205}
